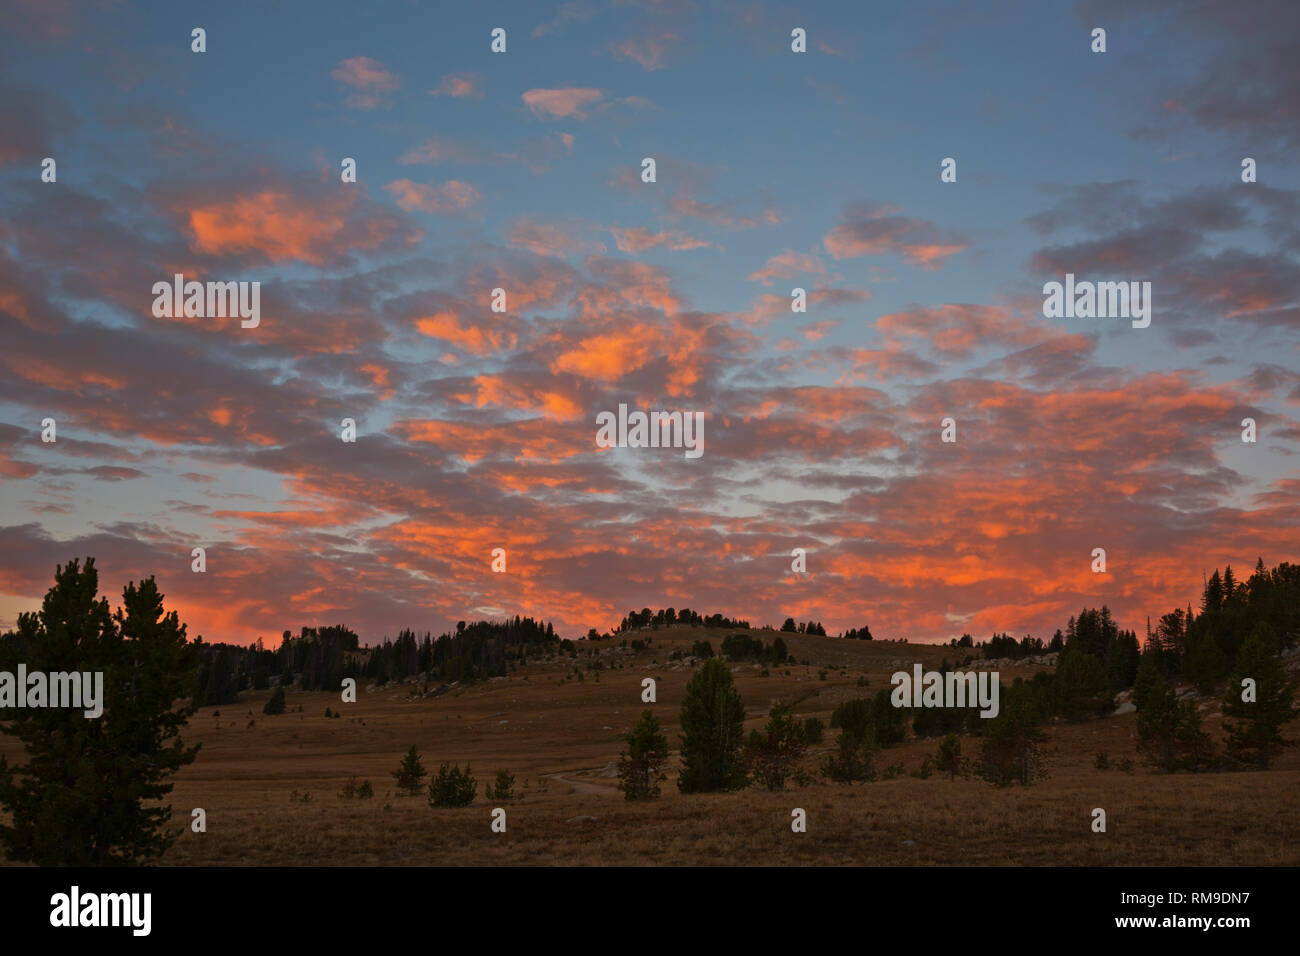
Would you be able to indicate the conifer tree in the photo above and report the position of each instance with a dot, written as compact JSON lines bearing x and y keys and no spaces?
{"x":1254,"y":728}
{"x":948,"y":756}
{"x":773,"y":755}
{"x":640,"y":769}
{"x":713,"y":718}
{"x":410,"y":773}
{"x":88,"y":794}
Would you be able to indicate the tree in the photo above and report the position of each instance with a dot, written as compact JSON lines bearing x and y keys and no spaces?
{"x":1254,"y":728}
{"x":853,"y":717}
{"x":1169,"y":730}
{"x":852,"y":761}
{"x":1011,"y":752}
{"x":410,"y":773}
{"x":948,"y":756}
{"x":813,"y":731}
{"x":505,"y":787}
{"x":275,"y":704}
{"x":640,"y":769}
{"x":88,"y":794}
{"x":1080,"y":683}
{"x":452,"y":787}
{"x":713,"y":718}
{"x":789,"y":626}
{"x":773,"y":755}
{"x":1204,"y":663}
{"x":888,"y":723}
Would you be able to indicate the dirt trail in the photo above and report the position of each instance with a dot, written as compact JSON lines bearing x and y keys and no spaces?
{"x":580,"y":786}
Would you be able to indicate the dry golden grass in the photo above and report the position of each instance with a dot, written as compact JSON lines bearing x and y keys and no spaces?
{"x":536,"y":723}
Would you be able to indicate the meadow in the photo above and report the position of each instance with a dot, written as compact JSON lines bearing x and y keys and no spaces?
{"x":270,"y":785}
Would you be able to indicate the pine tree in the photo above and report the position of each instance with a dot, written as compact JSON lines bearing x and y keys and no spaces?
{"x":410,"y":773}
{"x":1011,"y":751}
{"x":1254,"y":728}
{"x":948,"y":756}
{"x":1212,"y":600}
{"x":88,"y":794}
{"x":1169,"y":730}
{"x":713,"y":718}
{"x":452,"y":787}
{"x":773,"y":755}
{"x":640,"y":768}
{"x":275,"y":704}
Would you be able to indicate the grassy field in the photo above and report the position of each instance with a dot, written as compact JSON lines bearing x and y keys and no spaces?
{"x":560,"y":737}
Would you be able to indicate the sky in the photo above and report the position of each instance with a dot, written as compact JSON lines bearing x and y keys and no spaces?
{"x":522,"y":170}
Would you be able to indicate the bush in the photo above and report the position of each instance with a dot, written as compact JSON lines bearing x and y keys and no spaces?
{"x":1103,"y":761}
{"x":505,"y":787}
{"x":276,"y":703}
{"x":452,"y":788}
{"x":852,"y":762}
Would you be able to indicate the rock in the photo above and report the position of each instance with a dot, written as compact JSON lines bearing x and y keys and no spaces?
{"x":582,"y":819}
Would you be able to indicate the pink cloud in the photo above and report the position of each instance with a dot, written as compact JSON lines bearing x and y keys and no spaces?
{"x":370,"y":79}
{"x":649,"y":51}
{"x":570,"y":101}
{"x":451,"y":196}
{"x":459,"y":85}
{"x":639,"y":239}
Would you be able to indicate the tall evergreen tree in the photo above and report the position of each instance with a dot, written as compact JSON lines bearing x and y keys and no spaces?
{"x":1254,"y":728}
{"x":87,"y":794}
{"x":1011,"y":751}
{"x":713,"y":718}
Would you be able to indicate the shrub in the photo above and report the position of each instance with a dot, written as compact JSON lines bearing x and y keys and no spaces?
{"x":1103,"y":761}
{"x":451,"y":787}
{"x":365,"y":791}
{"x":852,"y":762}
